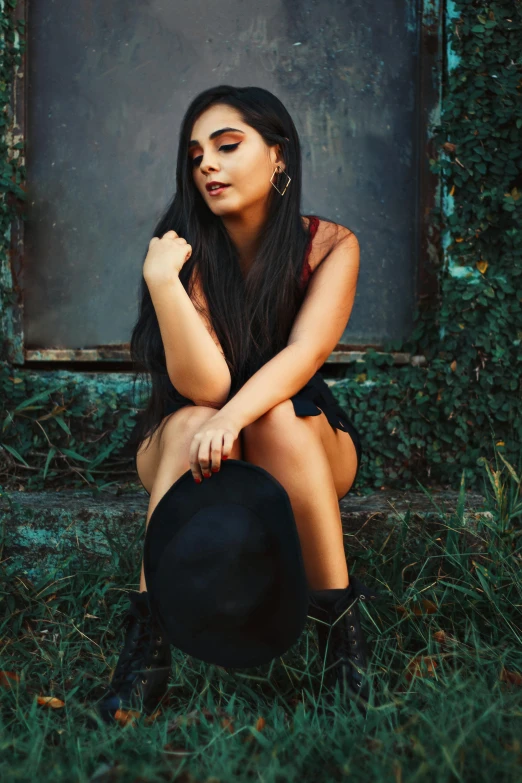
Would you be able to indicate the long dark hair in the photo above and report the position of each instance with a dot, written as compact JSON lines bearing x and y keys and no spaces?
{"x":252,"y":318}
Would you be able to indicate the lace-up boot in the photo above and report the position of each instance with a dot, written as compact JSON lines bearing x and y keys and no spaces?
{"x":342,"y":644}
{"x":139,"y":681}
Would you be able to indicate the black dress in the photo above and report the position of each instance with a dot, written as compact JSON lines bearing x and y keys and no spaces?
{"x":314,"y":397}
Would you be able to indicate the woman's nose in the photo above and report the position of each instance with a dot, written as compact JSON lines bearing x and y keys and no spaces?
{"x":208,"y":163}
{"x":208,"y":167}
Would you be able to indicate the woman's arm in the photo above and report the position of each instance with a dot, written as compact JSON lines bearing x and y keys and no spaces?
{"x":277,"y":380}
{"x":317,"y":329}
{"x":195,"y":362}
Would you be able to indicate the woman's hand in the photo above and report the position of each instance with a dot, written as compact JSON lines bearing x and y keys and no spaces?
{"x":212,"y":443}
{"x":166,"y":257}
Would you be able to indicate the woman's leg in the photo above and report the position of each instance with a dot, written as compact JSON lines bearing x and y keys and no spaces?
{"x":291,"y":448}
{"x":165,"y":459}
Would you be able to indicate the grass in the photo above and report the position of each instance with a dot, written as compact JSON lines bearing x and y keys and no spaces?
{"x":446,"y":663}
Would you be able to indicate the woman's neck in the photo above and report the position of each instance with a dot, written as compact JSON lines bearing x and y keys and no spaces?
{"x":245,"y":235}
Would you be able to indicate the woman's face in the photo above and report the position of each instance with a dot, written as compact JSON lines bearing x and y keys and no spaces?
{"x":238,"y":158}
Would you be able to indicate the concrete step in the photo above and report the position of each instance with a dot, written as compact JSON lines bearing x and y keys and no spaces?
{"x":45,"y":532}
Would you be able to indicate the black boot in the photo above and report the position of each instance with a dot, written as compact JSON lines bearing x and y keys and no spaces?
{"x":139,"y":681}
{"x":342,"y":644}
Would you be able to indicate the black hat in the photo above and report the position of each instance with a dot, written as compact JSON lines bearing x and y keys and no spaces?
{"x":224,"y":568}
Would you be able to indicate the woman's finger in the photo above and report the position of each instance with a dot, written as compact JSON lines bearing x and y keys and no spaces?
{"x":203,"y":456}
{"x":193,"y":458}
{"x":207,"y":452}
{"x":216,"y":450}
{"x":228,"y":442}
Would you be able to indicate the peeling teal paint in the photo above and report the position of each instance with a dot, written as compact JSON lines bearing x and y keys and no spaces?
{"x":448,"y":207}
{"x":448,"y":202}
{"x":430,"y":12}
{"x":452,"y":58}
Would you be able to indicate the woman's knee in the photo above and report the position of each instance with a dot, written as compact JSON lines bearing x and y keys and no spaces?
{"x":280,"y":430}
{"x":181,"y":427}
{"x":274,"y":418}
{"x":274,"y":423}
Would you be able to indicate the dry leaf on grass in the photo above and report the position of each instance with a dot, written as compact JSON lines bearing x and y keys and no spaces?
{"x":417,"y":664}
{"x":152,"y":718}
{"x":123,"y":717}
{"x":513,"y":678}
{"x":440,"y":637}
{"x":428,"y":607}
{"x":260,"y":725}
{"x":228,"y":723}
{"x":50,"y":701}
{"x":444,"y":639}
{"x":7,"y":677}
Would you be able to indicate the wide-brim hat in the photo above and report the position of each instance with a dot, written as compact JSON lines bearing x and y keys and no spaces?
{"x":224,"y":567}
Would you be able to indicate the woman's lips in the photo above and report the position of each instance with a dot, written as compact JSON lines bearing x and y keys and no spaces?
{"x":217,"y":191}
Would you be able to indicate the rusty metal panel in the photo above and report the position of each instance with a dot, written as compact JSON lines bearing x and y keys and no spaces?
{"x":106,"y":87}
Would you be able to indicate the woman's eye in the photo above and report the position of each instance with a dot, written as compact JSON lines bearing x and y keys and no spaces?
{"x":226,"y":147}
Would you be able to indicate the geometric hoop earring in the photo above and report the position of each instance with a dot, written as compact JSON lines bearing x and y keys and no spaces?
{"x":281,"y":171}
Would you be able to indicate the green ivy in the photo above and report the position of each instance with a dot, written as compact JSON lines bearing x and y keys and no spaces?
{"x":428,"y":423}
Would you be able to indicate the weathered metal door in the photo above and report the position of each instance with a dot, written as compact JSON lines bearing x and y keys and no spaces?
{"x":106,"y":87}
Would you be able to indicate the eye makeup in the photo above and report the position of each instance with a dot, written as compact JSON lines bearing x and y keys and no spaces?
{"x":225,"y":147}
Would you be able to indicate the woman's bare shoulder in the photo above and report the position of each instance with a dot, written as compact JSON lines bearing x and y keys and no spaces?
{"x":327,"y":236}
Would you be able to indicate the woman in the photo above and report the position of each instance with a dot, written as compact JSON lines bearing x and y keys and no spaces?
{"x":242,"y":301}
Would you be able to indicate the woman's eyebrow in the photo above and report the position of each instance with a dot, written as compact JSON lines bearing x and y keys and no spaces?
{"x":214,"y":135}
